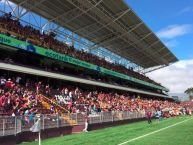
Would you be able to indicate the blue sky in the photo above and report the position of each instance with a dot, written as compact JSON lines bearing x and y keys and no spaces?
{"x":172,"y":20}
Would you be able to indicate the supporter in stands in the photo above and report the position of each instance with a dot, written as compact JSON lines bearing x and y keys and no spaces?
{"x":15,"y":97}
{"x":2,"y":82}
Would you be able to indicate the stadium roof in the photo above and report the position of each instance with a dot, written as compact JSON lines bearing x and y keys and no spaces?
{"x":111,"y":24}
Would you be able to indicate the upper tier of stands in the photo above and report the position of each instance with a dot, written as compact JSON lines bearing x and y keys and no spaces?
{"x":13,"y":27}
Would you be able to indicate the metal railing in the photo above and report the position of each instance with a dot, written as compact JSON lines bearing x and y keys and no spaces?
{"x":11,"y":125}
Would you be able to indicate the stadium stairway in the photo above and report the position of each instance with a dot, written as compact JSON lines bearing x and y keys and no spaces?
{"x":48,"y":103}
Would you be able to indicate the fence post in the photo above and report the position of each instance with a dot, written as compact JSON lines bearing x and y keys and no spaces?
{"x":137,"y":114}
{"x":3,"y":127}
{"x":90,"y":120}
{"x":43,"y":125}
{"x":57,"y":119}
{"x":102,"y":117}
{"x":112,"y":114}
{"x":77,"y":118}
{"x":132,"y":115}
{"x":16,"y":125}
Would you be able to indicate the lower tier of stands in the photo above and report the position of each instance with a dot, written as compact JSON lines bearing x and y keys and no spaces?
{"x":21,"y":94}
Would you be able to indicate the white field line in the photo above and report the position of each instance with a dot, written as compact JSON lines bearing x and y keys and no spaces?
{"x":154,"y":132}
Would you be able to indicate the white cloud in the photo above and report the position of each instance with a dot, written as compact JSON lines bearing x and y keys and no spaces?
{"x":173,"y":31}
{"x":177,"y":77}
{"x":185,"y":10}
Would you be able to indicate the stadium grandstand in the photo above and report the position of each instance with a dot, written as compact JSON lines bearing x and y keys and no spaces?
{"x":73,"y":61}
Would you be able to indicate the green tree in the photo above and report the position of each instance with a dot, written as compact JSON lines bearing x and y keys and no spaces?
{"x":189,"y":92}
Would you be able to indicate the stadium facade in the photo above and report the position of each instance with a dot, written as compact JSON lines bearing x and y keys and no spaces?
{"x":98,"y":48}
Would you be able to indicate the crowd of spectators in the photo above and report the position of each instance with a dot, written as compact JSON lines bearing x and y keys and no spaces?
{"x":16,"y":99}
{"x":19,"y":96}
{"x":14,"y":27}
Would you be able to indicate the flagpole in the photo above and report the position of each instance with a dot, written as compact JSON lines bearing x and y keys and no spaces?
{"x":39,"y":138}
{"x":37,"y":128}
{"x":39,"y":133}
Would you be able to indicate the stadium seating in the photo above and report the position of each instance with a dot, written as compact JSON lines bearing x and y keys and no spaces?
{"x":22,"y":99}
{"x":18,"y":96}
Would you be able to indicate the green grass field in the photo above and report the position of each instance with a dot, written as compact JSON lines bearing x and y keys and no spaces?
{"x":180,"y":134}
